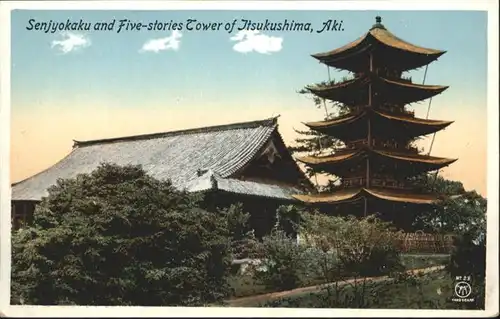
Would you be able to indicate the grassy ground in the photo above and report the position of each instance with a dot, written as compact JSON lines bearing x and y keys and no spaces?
{"x":245,"y":285}
{"x":416,"y":261}
{"x":430,"y":291}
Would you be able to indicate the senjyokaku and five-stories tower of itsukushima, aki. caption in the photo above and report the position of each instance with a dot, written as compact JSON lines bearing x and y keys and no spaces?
{"x":378,"y":162}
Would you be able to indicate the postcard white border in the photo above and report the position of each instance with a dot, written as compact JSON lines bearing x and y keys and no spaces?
{"x":59,"y":311}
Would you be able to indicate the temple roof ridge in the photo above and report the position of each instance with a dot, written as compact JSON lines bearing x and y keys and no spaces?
{"x":269,"y":122}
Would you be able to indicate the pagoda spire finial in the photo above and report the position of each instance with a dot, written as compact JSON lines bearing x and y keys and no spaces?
{"x":378,"y":23}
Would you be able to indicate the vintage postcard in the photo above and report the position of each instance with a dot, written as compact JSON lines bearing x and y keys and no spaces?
{"x":249,"y":159}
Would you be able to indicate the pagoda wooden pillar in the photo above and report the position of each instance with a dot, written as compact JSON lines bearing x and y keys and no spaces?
{"x":369,"y":137}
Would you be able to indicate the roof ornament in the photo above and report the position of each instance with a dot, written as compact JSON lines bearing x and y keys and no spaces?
{"x":378,"y":23}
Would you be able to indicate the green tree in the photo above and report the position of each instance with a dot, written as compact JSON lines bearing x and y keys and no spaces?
{"x":284,"y":264}
{"x":363,"y":247}
{"x":311,"y":142}
{"x":243,"y":241}
{"x":117,"y":236}
{"x":460,"y":211}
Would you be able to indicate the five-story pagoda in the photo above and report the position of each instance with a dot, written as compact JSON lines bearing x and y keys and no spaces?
{"x":379,"y":159}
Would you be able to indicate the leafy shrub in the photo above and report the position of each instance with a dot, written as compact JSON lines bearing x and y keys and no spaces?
{"x":460,"y":211}
{"x":285,"y":262}
{"x":243,"y":241}
{"x":364,"y":247}
{"x":117,"y":236}
{"x":288,"y":218}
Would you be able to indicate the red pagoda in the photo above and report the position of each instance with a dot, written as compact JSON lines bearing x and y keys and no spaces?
{"x":378,"y":160}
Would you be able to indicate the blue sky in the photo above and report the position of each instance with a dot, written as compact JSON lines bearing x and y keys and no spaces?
{"x":110,"y":87}
{"x":113,"y":68}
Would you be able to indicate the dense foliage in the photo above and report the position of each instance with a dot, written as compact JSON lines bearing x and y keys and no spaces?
{"x":242,"y":238}
{"x":461,"y":211}
{"x":469,"y":259}
{"x":284,"y":264}
{"x":330,"y":249}
{"x":363,"y":247}
{"x":117,"y":236}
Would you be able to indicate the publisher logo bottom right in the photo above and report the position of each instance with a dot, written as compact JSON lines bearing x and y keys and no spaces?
{"x":463,"y":289}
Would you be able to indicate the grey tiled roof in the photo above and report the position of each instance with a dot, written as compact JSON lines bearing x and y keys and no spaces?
{"x":194,"y":159}
{"x":211,"y":180}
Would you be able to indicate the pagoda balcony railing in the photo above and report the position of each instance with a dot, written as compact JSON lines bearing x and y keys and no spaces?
{"x":381,"y":144}
{"x":353,"y":182}
{"x":375,"y":182}
{"x":388,"y":74}
{"x":356,"y":144}
{"x":389,"y":183}
{"x":397,"y":110}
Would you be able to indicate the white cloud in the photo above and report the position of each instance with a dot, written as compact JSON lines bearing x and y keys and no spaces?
{"x":71,"y":42}
{"x":248,"y":41}
{"x":168,"y":43}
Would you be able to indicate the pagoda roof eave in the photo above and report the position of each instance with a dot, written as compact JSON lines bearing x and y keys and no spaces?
{"x":332,"y":159}
{"x":439,"y":88}
{"x":381,"y":36}
{"x":349,"y":155}
{"x":343,"y":120}
{"x":415,"y":120}
{"x":335,"y":86}
{"x":349,"y":195}
{"x":418,"y":158}
{"x":346,"y":120}
{"x":364,"y":80}
{"x":408,"y":92}
{"x":356,"y":45}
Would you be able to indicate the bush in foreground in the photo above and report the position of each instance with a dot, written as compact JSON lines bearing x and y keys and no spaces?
{"x":117,"y":236}
{"x":331,"y":249}
{"x":284,"y":264}
{"x":363,"y":247}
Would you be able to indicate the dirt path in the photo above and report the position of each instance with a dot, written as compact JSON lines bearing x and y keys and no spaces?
{"x":241,"y":302}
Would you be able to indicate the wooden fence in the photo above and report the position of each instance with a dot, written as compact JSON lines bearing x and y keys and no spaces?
{"x":420,"y":242}
{"x":409,"y":243}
